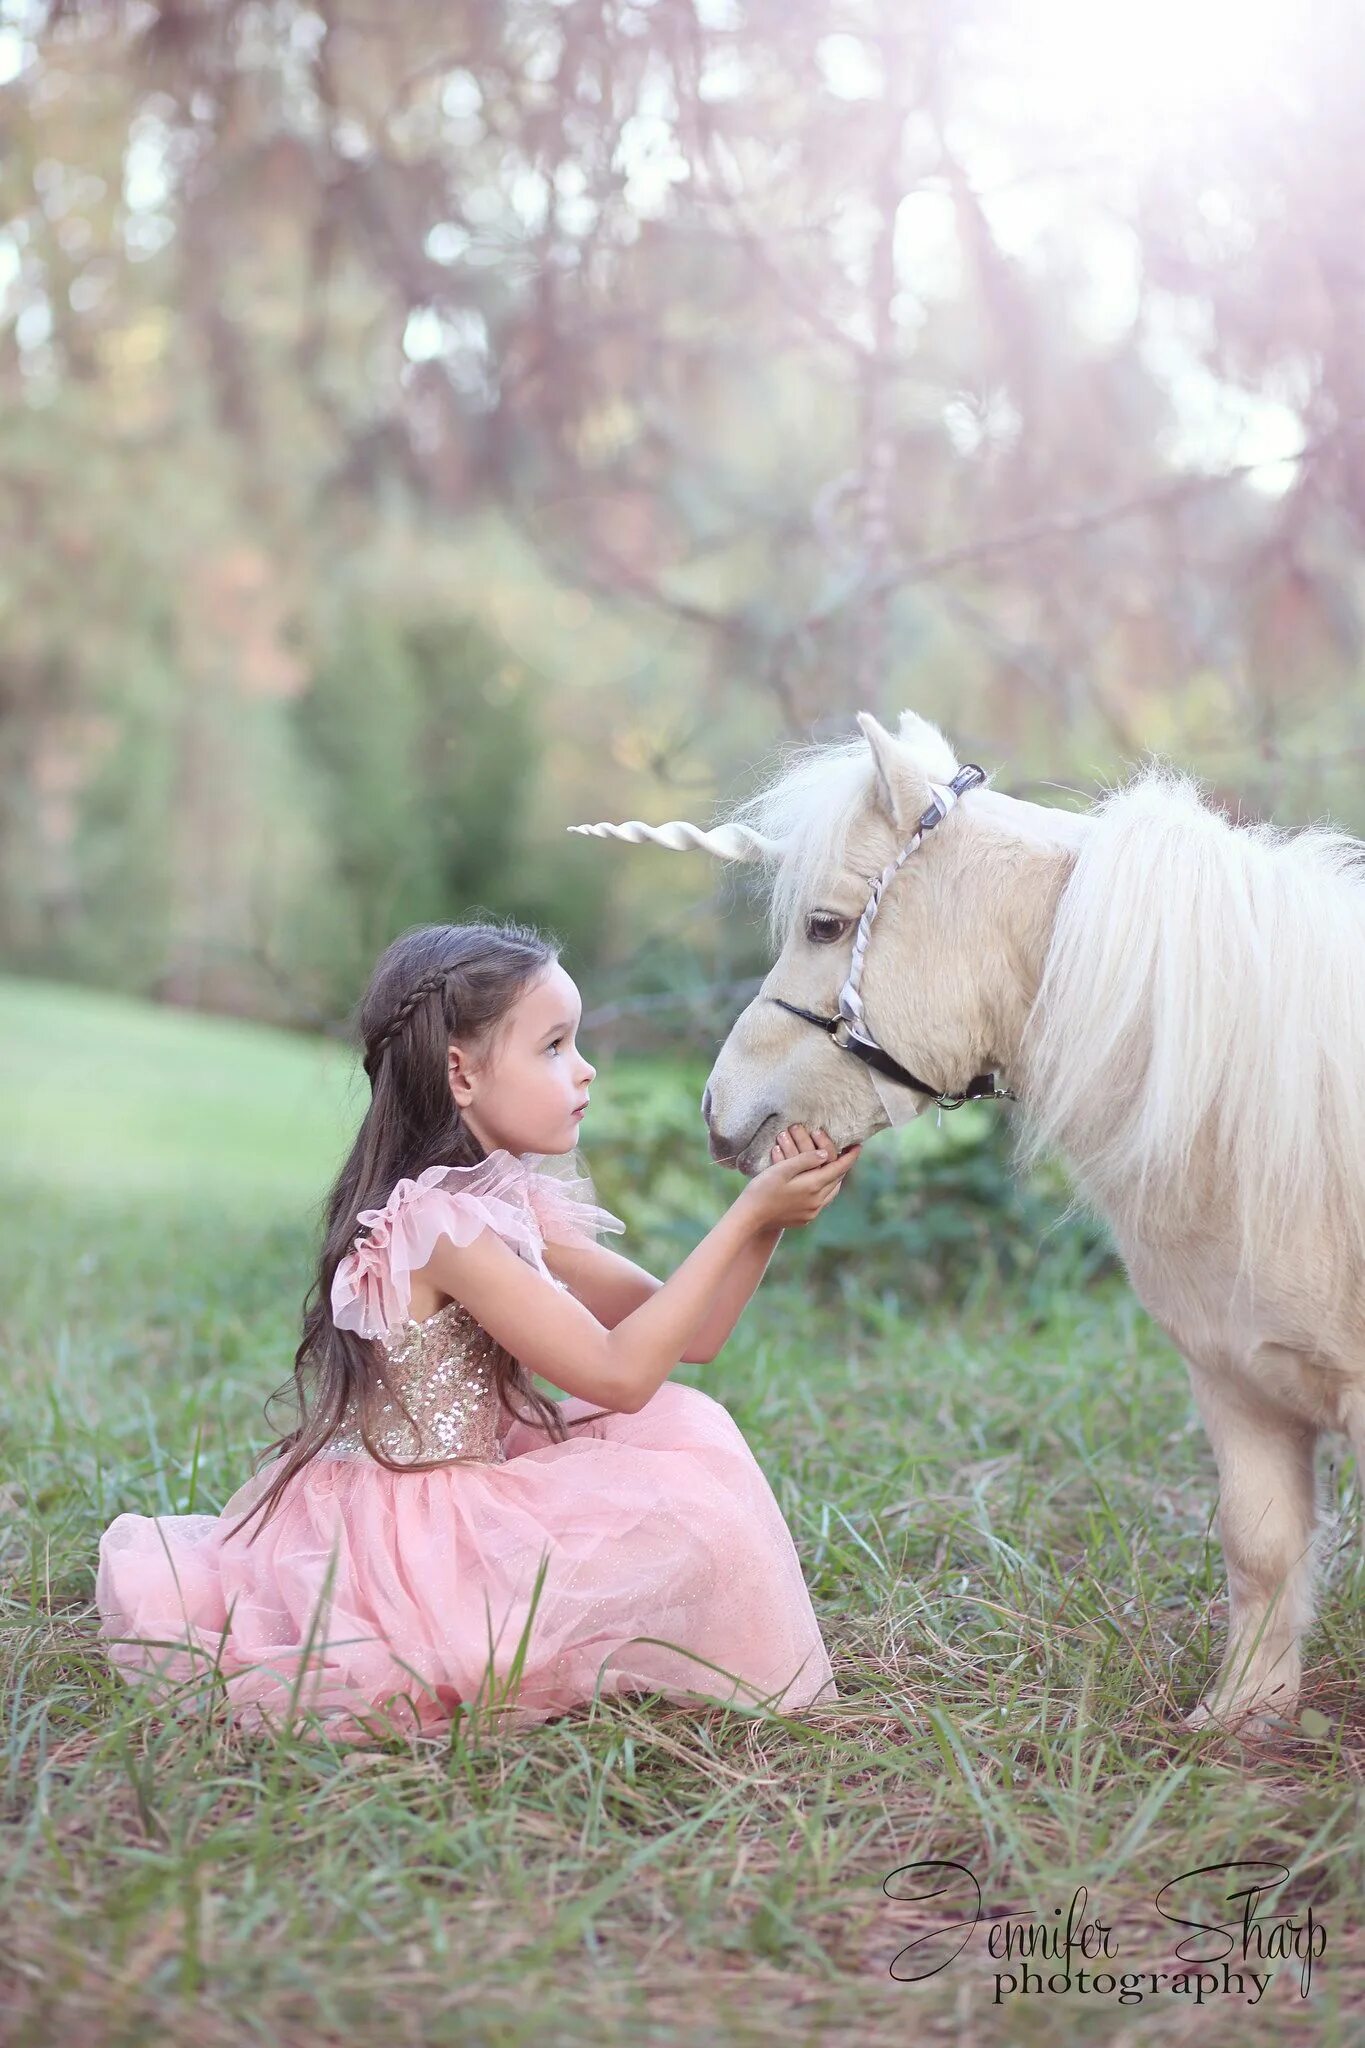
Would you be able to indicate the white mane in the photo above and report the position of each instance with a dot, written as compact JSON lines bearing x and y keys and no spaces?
{"x":1204,"y":988}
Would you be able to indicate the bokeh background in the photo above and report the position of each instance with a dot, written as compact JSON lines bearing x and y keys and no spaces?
{"x":425,"y":426}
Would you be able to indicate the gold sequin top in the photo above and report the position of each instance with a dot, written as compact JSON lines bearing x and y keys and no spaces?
{"x":441,"y":1369}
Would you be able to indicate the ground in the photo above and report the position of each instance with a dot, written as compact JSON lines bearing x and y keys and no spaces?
{"x":1003,"y":1507}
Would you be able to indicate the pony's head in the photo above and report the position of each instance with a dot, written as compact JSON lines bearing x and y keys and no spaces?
{"x":953,"y":960}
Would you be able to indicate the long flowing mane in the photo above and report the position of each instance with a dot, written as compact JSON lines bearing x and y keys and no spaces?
{"x":1201,"y":1016}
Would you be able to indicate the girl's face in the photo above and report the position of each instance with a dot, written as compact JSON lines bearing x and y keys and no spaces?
{"x":532,"y":1090}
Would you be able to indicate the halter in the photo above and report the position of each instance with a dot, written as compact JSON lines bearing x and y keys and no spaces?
{"x":849,"y":1019}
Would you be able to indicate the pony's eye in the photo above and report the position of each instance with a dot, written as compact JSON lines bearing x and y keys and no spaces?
{"x":823,"y":927}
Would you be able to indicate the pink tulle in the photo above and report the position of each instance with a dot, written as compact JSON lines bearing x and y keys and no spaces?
{"x":669,"y":1568}
{"x":372,"y":1287}
{"x":382,"y":1601}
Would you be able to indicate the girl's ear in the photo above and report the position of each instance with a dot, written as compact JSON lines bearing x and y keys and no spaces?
{"x":457,"y":1077}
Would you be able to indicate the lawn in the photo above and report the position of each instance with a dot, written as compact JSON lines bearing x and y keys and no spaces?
{"x":1002,"y":1503}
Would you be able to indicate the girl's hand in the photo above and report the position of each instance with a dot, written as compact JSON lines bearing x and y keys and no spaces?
{"x":803,"y":1176}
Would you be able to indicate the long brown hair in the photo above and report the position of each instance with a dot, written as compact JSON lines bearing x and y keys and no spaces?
{"x":434,"y":984}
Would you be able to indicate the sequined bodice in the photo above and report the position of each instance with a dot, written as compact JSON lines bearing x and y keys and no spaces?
{"x":442,"y":1369}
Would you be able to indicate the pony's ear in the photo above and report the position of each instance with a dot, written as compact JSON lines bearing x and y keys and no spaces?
{"x":933,"y":753}
{"x":900,"y":778}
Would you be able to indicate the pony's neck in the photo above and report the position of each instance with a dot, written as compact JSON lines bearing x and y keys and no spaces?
{"x":1026,"y":853}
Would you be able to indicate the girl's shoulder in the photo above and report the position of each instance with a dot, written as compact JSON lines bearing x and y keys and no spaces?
{"x":506,"y":1192}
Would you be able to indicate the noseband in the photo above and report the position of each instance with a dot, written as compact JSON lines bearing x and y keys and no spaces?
{"x":849,"y":1019}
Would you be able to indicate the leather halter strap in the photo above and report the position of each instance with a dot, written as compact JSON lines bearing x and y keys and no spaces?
{"x":849,"y":1018}
{"x":981,"y":1087}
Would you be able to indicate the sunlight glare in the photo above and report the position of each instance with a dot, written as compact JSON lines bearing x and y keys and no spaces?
{"x":1166,"y":62}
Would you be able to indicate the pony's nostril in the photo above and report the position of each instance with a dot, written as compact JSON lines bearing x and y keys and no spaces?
{"x":706,"y":1102}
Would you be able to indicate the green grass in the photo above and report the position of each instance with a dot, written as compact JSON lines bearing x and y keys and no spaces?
{"x":1003,"y":1511}
{"x":108,"y":1098}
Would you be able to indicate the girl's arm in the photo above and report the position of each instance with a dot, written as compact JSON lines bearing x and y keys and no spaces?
{"x":556,"y":1336}
{"x":603,"y":1280}
{"x":736,"y":1290}
{"x":611,"y":1286}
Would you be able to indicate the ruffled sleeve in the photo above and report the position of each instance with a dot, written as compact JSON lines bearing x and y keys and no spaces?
{"x":566,"y":1205}
{"x":372,"y":1286}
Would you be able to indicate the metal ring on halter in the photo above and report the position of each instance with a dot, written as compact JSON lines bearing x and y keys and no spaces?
{"x":848,"y":1017}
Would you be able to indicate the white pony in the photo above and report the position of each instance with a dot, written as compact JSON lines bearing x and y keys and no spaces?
{"x":1178,"y":1004}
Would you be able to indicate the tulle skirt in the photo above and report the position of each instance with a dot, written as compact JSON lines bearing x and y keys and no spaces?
{"x":376,"y":1602}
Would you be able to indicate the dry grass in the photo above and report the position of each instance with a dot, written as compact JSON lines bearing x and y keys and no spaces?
{"x":1004,"y":1519}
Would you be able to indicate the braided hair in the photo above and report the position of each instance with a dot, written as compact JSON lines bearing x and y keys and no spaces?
{"x":419,"y":993}
{"x":436,"y":983}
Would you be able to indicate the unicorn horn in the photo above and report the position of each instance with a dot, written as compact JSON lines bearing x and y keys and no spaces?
{"x":727,"y":842}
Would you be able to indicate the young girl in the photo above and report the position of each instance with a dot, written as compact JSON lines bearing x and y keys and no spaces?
{"x":435,"y":1532}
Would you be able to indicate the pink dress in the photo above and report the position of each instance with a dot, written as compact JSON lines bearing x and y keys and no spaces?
{"x":381,"y":1601}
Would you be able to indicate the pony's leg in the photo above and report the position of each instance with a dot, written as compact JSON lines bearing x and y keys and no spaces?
{"x":1267,"y":1516}
{"x":1353,"y":1422}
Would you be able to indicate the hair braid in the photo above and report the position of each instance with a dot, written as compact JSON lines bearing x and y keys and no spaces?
{"x":433,"y":984}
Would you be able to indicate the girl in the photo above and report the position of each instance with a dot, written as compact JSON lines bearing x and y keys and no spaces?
{"x":435,"y":1533}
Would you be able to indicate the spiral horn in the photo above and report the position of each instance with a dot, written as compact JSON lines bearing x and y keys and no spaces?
{"x":727,"y":842}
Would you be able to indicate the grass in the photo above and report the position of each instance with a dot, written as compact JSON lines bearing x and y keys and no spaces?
{"x":1003,"y":1512}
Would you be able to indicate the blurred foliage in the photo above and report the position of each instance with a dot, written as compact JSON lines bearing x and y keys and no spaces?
{"x":948,"y":1218}
{"x":425,"y":737}
{"x":933,"y":1211}
{"x":426,"y":428}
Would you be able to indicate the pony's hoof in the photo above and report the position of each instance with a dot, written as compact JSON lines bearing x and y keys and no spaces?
{"x":1249,"y":1723}
{"x":1267,"y":1724}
